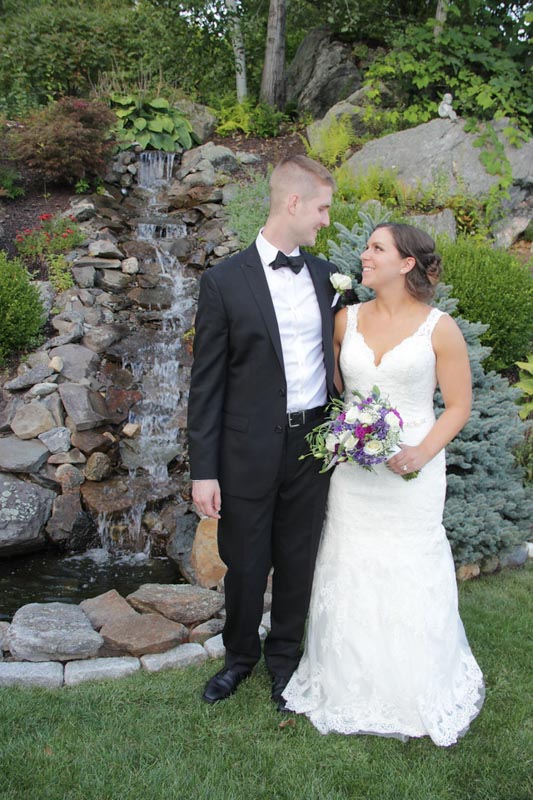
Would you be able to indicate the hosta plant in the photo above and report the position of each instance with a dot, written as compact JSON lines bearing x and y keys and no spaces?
{"x":152,"y":123}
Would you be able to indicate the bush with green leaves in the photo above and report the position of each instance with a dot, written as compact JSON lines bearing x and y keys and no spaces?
{"x":487,"y":507}
{"x":494,"y":287}
{"x":21,"y":309}
{"x":38,"y":247}
{"x":249,"y":118}
{"x":66,"y":141}
{"x":151,"y":122}
{"x":9,"y":180}
{"x":332,"y":141}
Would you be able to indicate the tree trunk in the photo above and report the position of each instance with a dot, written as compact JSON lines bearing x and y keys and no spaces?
{"x":440,"y":16}
{"x":273,"y":79}
{"x":237,"y":42}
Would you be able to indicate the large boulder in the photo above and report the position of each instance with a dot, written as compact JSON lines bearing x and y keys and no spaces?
{"x":52,"y":632}
{"x":321,"y":73}
{"x":24,"y":511}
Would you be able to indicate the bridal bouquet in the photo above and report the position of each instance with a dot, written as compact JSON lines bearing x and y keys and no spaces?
{"x":365,"y":431}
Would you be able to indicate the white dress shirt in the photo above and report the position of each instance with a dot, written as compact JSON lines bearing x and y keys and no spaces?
{"x":300,"y":329}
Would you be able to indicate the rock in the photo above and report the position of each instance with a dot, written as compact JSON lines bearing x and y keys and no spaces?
{"x":489,"y":565}
{"x":29,"y":378}
{"x":18,"y":455}
{"x":73,"y":456}
{"x":4,"y":627}
{"x":81,"y":210}
{"x":119,"y":401}
{"x":57,"y":440}
{"x":98,"y":263}
{"x":85,"y":408}
{"x":321,"y":73}
{"x":98,"y":467}
{"x":100,"y":338}
{"x":100,"y":669}
{"x":221,"y":158}
{"x":47,"y":675}
{"x":106,"y":608}
{"x":215,"y":647}
{"x":141,"y":634}
{"x":69,"y":523}
{"x":119,"y":494}
{"x":202,"y":119}
{"x":206,"y":630}
{"x":130,"y":266}
{"x":68,"y":322}
{"x":56,"y":364}
{"x":436,"y":224}
{"x":182,"y":603}
{"x":78,"y":362}
{"x":52,"y":632}
{"x":32,"y":419}
{"x":185,"y":655}
{"x":54,"y":405}
{"x":514,"y":556}
{"x":104,"y":248}
{"x":8,"y":409}
{"x":208,"y":567}
{"x":42,"y":389}
{"x":113,"y":280}
{"x":90,"y":442}
{"x":179,"y":545}
{"x":24,"y":509}
{"x":467,"y":571}
{"x":69,"y":477}
{"x":84,"y":277}
{"x":131,"y":430}
{"x":151,"y":298}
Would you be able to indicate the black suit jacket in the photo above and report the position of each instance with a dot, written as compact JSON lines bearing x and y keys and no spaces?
{"x":237,"y":401}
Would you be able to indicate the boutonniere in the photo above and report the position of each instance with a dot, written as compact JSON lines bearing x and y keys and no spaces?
{"x":341,"y":283}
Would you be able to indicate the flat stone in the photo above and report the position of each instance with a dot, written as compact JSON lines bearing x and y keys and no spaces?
{"x":104,"y":248}
{"x":18,"y":455}
{"x":141,"y":634}
{"x":67,"y":516}
{"x":208,"y":567}
{"x":78,"y":362}
{"x":42,"y":389}
{"x":100,"y":669}
{"x":24,"y":510}
{"x":98,"y":263}
{"x":100,"y":338}
{"x":183,"y":603}
{"x":184,"y":655}
{"x":54,"y":405}
{"x":206,"y":630}
{"x":84,"y":277}
{"x":113,"y":280}
{"x":85,"y":408}
{"x":36,"y":375}
{"x":52,"y":632}
{"x":215,"y":647}
{"x":151,"y":298}
{"x":8,"y":409}
{"x":105,"y":608}
{"x":31,"y":419}
{"x":47,"y":675}
{"x":90,"y":442}
{"x":57,"y":440}
{"x":73,"y":456}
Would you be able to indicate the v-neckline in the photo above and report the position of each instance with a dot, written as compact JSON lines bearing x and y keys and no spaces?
{"x":396,"y":346}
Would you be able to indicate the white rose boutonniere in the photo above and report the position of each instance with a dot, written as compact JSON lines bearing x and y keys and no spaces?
{"x":341,"y":283}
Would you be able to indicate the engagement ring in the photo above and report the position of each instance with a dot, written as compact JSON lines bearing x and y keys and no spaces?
{"x":404,"y":468}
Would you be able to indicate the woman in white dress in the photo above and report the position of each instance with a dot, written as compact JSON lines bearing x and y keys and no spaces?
{"x":386,"y":652}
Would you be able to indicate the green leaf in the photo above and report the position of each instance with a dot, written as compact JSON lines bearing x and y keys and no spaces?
{"x":159,"y":102}
{"x":156,"y":125}
{"x":139,"y":123}
{"x":124,"y":112}
{"x":122,"y":100}
{"x":143,"y":139}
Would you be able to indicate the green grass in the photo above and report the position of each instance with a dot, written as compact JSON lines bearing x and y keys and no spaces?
{"x":151,"y":736}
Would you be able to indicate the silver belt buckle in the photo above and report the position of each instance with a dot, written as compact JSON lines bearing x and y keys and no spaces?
{"x":296,"y":424}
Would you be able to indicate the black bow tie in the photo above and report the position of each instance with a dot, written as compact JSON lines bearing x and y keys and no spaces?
{"x":293,"y":262}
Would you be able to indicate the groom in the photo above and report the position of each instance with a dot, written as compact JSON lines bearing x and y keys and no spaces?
{"x":262,"y":374}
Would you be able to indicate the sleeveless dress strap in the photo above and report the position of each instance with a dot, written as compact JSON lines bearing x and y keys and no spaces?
{"x":428,"y":326}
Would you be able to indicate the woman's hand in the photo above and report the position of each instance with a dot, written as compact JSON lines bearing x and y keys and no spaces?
{"x":409,"y":459}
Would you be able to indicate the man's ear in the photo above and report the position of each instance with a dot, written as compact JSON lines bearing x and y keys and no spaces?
{"x":292,"y":203}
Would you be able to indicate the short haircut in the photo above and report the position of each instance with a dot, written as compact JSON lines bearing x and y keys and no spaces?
{"x":298,"y":175}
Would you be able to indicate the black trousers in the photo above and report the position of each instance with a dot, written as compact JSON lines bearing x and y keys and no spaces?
{"x":281,"y":530}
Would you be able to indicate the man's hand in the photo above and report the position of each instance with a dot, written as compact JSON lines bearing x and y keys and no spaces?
{"x":206,"y":498}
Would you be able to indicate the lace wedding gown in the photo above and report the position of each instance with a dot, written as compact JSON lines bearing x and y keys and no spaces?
{"x":386,"y":652}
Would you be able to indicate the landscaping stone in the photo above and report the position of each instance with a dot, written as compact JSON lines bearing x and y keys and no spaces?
{"x":106,"y":608}
{"x":69,"y":476}
{"x":24,"y":510}
{"x":19,"y":455}
{"x":31,"y":419}
{"x":29,"y":378}
{"x":78,"y":362}
{"x":100,"y":669}
{"x":141,"y":634}
{"x":47,"y":675}
{"x":52,"y":632}
{"x":85,"y":408}
{"x":206,"y":630}
{"x":98,"y":467}
{"x":4,"y":627}
{"x":514,"y":556}
{"x":183,"y":603}
{"x":104,"y":248}
{"x":208,"y":567}
{"x":215,"y":647}
{"x":57,"y":440}
{"x":42,"y":389}
{"x":185,"y":655}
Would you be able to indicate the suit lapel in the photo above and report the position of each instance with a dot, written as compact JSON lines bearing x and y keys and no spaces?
{"x":255,"y":275}
{"x":316,"y":270}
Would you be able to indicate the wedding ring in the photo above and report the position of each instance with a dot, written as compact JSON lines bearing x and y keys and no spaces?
{"x":404,"y":468}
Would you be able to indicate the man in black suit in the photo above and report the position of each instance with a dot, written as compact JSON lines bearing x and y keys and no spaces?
{"x":263,"y":371}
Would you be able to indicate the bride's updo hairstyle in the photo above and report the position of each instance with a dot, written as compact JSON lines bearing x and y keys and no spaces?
{"x":411,"y":242}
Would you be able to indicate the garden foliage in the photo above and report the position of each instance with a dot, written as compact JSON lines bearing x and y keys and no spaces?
{"x":66,"y":141}
{"x":151,"y":122}
{"x":21,"y":309}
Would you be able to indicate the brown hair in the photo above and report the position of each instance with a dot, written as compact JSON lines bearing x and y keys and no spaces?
{"x":412,"y":242}
{"x":299,"y":174}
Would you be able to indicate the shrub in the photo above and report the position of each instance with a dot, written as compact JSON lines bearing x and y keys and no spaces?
{"x":333,"y":141}
{"x":9,"y":178}
{"x":492,"y":286}
{"x":66,"y":141}
{"x":21,"y":309}
{"x":253,"y":120}
{"x":54,"y":236}
{"x":151,"y":122}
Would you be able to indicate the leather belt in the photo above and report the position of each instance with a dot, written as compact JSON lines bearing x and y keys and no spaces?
{"x":297,"y":418}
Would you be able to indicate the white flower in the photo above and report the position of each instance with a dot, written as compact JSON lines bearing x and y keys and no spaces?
{"x":392,"y":421}
{"x":352,"y":414}
{"x":373,"y":448}
{"x":366,"y":417}
{"x":350,"y":442}
{"x":331,"y":442}
{"x":340,"y":282}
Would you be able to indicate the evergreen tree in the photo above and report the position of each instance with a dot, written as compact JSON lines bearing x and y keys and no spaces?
{"x":487,"y":507}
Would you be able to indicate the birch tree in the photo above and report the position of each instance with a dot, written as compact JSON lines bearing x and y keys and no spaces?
{"x":273,"y":79}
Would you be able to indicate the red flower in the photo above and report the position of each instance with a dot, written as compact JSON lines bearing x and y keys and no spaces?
{"x":45,"y":216}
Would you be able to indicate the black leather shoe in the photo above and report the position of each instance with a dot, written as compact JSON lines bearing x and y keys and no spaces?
{"x":223,"y":684}
{"x":279,"y":683}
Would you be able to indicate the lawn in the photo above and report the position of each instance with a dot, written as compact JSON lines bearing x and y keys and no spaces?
{"x":151,"y":736}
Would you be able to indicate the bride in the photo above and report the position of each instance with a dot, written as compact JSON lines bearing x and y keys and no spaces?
{"x":386,"y":652}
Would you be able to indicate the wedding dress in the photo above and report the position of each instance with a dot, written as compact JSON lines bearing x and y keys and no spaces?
{"x":386,"y":652}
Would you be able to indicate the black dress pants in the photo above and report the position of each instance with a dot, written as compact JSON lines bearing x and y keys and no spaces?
{"x":281,"y":530}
